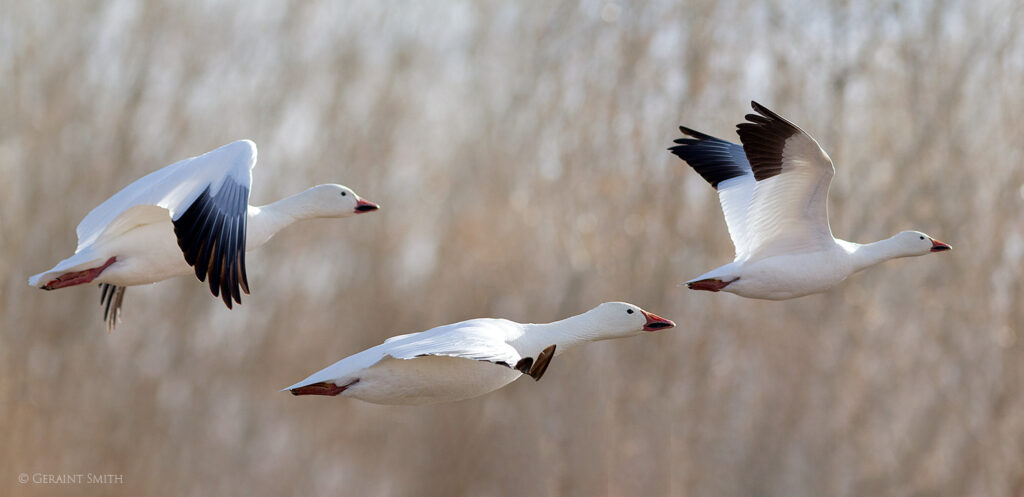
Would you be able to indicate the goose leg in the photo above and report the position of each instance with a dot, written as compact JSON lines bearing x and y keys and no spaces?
{"x":711,"y":284}
{"x":322,"y":388}
{"x":78,"y":277}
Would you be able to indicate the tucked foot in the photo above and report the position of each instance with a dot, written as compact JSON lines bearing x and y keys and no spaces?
{"x":711,"y":284}
{"x":78,"y":277}
{"x":322,"y":388}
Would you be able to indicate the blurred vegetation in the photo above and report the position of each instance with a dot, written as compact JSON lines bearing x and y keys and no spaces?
{"x":518,"y":150}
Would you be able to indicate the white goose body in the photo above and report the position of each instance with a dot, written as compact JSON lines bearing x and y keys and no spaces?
{"x":190,"y":217}
{"x":470,"y":358}
{"x":149,"y":253}
{"x":774,"y":194}
{"x":426,"y":379}
{"x":784,"y":276}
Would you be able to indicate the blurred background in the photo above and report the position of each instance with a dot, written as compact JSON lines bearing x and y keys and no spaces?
{"x":518,"y":150}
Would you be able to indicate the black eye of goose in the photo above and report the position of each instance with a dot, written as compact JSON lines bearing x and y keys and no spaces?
{"x":344,"y":193}
{"x":629,"y":311}
{"x":922,"y":238}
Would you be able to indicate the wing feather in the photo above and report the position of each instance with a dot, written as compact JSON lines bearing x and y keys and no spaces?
{"x":174,"y":187}
{"x":476,"y":339}
{"x":111,"y":298}
{"x":206,"y":197}
{"x":789,"y":206}
{"x":210,"y":241}
{"x":536,"y":368}
{"x":724,"y":165}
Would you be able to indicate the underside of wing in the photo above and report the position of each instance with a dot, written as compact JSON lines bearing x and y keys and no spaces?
{"x":716,"y":160}
{"x":207,"y":199}
{"x":789,"y":206}
{"x":131,"y":218}
{"x":724,"y":165}
{"x":211,"y":235}
{"x":174,"y":187}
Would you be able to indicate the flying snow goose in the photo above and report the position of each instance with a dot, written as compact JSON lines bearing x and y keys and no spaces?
{"x":470,"y":358}
{"x":195,"y":213}
{"x":774,"y":191}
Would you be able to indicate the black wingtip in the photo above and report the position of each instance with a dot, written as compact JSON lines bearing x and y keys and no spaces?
{"x":764,"y":137}
{"x":694,"y":133}
{"x":524,"y":364}
{"x":760,"y":109}
{"x":713,"y":158}
{"x":211,"y":234}
{"x":541,"y":364}
{"x":772,"y":115}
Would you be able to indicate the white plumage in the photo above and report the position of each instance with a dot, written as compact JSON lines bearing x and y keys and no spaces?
{"x":774,"y":194}
{"x":194,"y":212}
{"x":469,"y":358}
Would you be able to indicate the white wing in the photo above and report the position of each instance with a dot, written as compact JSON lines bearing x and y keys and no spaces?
{"x":725,"y":166}
{"x":476,"y":339}
{"x":788,"y":210}
{"x":207,"y":198}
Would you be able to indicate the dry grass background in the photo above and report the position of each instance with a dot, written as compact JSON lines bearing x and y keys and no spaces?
{"x":518,"y":150}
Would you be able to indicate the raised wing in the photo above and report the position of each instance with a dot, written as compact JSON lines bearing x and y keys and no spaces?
{"x":211,"y":234}
{"x":207,"y":199}
{"x":788,"y":210}
{"x":724,"y":165}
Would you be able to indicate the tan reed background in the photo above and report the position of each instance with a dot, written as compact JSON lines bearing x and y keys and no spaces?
{"x":518,"y":149}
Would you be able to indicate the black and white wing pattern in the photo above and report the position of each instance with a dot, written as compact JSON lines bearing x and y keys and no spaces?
{"x":724,"y":165}
{"x":211,"y":234}
{"x":206,"y":197}
{"x":789,"y":208}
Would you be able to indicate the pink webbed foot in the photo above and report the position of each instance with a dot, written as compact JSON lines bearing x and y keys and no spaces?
{"x":711,"y":284}
{"x":78,"y":277}
{"x":322,"y":388}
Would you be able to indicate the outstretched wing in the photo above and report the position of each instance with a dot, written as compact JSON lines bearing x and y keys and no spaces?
{"x":724,"y":165}
{"x":207,"y":199}
{"x":788,"y":211}
{"x":476,"y":339}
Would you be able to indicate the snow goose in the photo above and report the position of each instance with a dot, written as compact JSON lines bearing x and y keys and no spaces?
{"x":197,"y":208}
{"x":774,"y":190}
{"x":470,"y":358}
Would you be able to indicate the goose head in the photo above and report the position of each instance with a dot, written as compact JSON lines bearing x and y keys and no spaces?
{"x":332,"y":200}
{"x":619,"y":319}
{"x":916,"y":243}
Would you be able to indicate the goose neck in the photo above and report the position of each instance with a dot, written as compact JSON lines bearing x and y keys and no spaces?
{"x":869,"y":254}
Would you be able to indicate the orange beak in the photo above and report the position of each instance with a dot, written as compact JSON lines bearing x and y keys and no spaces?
{"x":938,"y":246}
{"x":365,"y":206}
{"x":655,"y":323}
